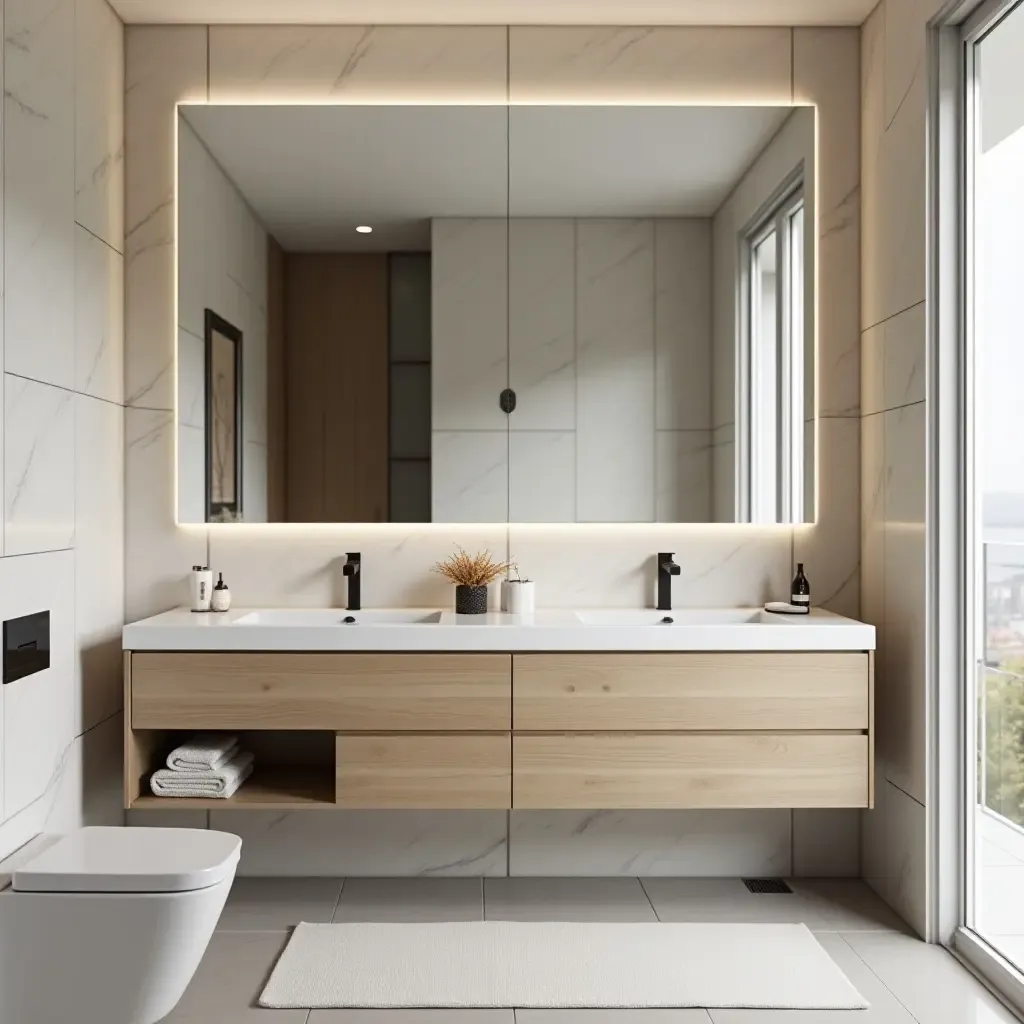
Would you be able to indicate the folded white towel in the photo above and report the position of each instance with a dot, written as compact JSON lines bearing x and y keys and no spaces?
{"x":219,"y":784}
{"x":204,"y":752}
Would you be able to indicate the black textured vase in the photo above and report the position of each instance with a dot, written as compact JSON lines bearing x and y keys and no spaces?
{"x":470,"y":600}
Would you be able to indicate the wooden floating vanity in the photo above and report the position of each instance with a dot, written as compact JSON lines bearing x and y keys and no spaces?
{"x":572,"y":730}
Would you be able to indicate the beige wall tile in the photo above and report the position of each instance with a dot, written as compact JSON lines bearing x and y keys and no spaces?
{"x":901,"y":699}
{"x":650,"y":65}
{"x":830,"y":549}
{"x":357,"y":64}
{"x":164,"y":65}
{"x":872,"y":518}
{"x":872,"y":86}
{"x":825,"y":73}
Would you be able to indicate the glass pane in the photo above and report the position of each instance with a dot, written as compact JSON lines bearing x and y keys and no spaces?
{"x":996,"y":156}
{"x":764,"y":375}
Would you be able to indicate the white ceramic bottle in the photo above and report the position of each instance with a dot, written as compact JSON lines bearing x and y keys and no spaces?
{"x":221,"y":598}
{"x":202,"y":588}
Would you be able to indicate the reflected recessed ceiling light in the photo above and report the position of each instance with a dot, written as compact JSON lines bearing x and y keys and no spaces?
{"x":364,"y":229}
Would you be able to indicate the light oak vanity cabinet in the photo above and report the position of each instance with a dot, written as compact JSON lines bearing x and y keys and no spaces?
{"x":568,"y":730}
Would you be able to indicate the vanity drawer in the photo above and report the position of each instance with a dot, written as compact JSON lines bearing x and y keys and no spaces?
{"x":374,"y":692}
{"x":715,"y":691}
{"x":743,"y":770}
{"x":433,"y":772}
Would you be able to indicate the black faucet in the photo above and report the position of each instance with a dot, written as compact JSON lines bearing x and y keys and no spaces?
{"x":351,"y":570}
{"x":667,"y":568}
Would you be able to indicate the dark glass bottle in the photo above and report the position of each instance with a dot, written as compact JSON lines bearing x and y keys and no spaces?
{"x":800,"y":592}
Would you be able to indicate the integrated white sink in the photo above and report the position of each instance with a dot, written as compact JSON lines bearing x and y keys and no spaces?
{"x":554,"y":629}
{"x":299,"y":617}
{"x":683,"y":617}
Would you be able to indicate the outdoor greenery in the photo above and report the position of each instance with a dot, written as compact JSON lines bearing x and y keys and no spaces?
{"x":1003,"y":741}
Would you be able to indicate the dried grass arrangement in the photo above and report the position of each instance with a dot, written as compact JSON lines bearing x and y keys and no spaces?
{"x":466,"y":570}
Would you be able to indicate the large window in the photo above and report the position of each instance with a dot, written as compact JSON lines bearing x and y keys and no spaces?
{"x":992,"y":49}
{"x":772,"y":413}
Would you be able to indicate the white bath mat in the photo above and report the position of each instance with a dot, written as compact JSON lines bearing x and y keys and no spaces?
{"x":506,"y":964}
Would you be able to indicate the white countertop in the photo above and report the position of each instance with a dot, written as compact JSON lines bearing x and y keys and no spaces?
{"x":692,"y":629}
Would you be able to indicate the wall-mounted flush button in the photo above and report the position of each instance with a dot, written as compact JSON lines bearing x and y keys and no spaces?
{"x":26,"y":646}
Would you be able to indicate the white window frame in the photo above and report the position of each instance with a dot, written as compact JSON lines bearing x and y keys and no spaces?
{"x":788,"y":442}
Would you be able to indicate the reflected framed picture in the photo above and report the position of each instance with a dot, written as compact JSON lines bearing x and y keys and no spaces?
{"x":223,"y":420}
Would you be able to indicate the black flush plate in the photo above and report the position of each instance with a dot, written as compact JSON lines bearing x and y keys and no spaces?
{"x":26,"y":646}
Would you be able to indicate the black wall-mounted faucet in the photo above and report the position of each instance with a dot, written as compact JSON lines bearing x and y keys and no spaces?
{"x":667,"y":568}
{"x":352,"y":571}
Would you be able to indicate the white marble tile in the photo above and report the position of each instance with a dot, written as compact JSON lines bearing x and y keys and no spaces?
{"x":368,"y":843}
{"x":830,"y":548}
{"x":157,"y":554}
{"x":609,"y":566}
{"x":99,"y":559}
{"x":683,"y":475}
{"x":39,"y":467}
{"x":649,"y":65}
{"x":469,"y":476}
{"x":826,"y":843}
{"x":682,"y":319}
{"x":615,"y":371}
{"x":542,"y":322}
{"x":39,"y":170}
{"x":873,"y":226}
{"x":357,"y":64}
{"x":99,"y":318}
{"x":84,"y":788}
{"x":191,"y":474}
{"x":195,"y":222}
{"x":542,"y":476}
{"x":164,"y":65}
{"x":191,"y":380}
{"x":300,"y":565}
{"x":99,"y":121}
{"x":649,"y":843}
{"x":901,"y":694}
{"x":38,"y":715}
{"x":872,"y":370}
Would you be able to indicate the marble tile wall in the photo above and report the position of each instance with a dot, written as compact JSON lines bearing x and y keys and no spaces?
{"x":222,"y":265}
{"x":62,"y":428}
{"x":574,"y":565}
{"x":893,"y":347}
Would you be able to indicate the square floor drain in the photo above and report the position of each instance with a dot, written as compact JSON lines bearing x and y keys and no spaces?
{"x":766,"y":885}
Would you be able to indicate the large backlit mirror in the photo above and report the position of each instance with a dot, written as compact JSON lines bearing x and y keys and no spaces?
{"x":484,"y":313}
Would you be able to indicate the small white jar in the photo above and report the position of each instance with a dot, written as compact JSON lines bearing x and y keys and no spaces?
{"x":519,"y":597}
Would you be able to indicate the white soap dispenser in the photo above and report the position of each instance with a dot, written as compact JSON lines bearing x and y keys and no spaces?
{"x":221,"y":597}
{"x":202,"y":588}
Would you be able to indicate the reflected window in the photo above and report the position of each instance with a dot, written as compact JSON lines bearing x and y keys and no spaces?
{"x":771,"y":403}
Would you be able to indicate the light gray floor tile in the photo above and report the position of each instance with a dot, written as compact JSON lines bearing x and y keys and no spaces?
{"x":273,"y":904}
{"x":411,"y":899}
{"x":727,"y":899}
{"x":566,"y":899}
{"x":612,"y":1017}
{"x":885,"y":1008}
{"x":928,"y":980}
{"x":848,"y":905}
{"x":412,"y":1017}
{"x":230,"y":979}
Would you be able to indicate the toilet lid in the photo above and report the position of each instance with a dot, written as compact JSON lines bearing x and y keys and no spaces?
{"x":102,"y":859}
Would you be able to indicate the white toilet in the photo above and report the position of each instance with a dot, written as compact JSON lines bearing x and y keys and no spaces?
{"x":108,"y":925}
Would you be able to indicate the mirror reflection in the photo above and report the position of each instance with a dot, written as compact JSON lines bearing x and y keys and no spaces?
{"x":484,"y":314}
